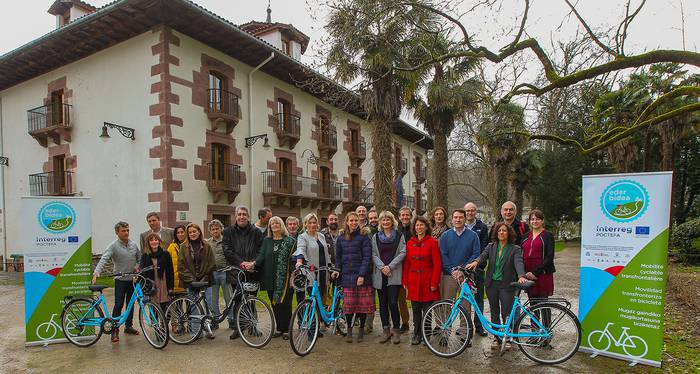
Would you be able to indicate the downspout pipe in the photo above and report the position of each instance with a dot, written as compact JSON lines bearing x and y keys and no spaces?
{"x":2,"y":183}
{"x":252,"y":177}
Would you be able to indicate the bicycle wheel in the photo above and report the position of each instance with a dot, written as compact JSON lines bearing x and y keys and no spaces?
{"x":72,"y":317}
{"x":599,"y":340}
{"x":446,"y":341}
{"x":560,"y":322}
{"x":154,"y":325}
{"x":303,"y":328}
{"x":635,"y":346}
{"x":184,"y":319}
{"x":46,"y":331}
{"x":255,"y":322}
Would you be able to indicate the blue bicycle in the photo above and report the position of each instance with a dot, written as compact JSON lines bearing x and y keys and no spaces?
{"x":305,"y":322}
{"x":545,"y":330}
{"x":83,"y":320}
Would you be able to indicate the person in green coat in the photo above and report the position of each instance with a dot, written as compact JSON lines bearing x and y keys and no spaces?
{"x":274,"y":264}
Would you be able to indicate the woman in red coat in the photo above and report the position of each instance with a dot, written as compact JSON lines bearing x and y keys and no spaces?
{"x":421,"y":273}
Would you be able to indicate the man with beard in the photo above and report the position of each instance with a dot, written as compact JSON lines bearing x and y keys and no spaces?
{"x":241,"y":243}
{"x":331,"y":233}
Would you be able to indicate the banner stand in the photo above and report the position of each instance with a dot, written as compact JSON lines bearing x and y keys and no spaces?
{"x":624,"y":263}
{"x":57,"y":246}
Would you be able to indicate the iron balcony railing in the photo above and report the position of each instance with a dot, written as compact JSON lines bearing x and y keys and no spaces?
{"x":288,"y":125}
{"x":222,"y":101}
{"x":359,"y":149}
{"x":48,"y":116}
{"x":52,"y":184}
{"x":276,"y":182}
{"x":329,"y":137}
{"x":408,"y":201}
{"x":362,"y":194}
{"x":422,"y":174}
{"x":224,"y":177}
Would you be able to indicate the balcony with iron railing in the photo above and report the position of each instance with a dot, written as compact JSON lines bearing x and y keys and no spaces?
{"x":362,"y":195}
{"x":224,"y":179}
{"x":50,"y":121}
{"x":358,"y":152}
{"x":421,"y":174}
{"x":222,"y":109}
{"x":288,"y":129}
{"x":408,"y":201}
{"x":327,"y":141}
{"x":290,"y":190}
{"x":52,"y":184}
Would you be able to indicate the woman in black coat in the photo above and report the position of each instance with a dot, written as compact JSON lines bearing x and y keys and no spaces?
{"x":162,"y":274}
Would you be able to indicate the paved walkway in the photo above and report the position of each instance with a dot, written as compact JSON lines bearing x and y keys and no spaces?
{"x":133,"y":355}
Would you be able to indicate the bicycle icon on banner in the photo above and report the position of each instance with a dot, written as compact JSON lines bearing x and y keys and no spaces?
{"x":48,"y":329}
{"x":633,"y":345}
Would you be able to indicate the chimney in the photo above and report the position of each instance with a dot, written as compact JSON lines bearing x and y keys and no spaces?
{"x":67,"y":11}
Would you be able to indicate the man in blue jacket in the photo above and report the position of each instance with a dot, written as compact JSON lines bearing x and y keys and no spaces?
{"x":458,"y":246}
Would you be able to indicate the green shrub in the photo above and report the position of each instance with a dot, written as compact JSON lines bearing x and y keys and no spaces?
{"x":686,"y":241}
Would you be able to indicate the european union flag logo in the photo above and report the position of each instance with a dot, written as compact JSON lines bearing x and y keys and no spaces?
{"x":72,"y":239}
{"x":641,"y":230}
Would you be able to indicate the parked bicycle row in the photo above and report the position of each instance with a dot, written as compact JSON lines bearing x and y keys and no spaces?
{"x":414,"y":258}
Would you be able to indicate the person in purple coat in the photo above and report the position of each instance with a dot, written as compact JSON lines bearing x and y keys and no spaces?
{"x":353,"y":252}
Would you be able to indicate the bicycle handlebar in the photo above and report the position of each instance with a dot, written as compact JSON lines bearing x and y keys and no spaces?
{"x":138,"y":273}
{"x":320,"y":268}
{"x":229,"y":268}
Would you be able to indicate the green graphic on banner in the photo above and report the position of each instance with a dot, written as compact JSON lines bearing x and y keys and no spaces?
{"x":627,"y":319}
{"x":45,"y":322}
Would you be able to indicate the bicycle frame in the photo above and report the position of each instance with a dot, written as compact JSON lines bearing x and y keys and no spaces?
{"x":137,"y":295}
{"x":316,"y":300}
{"x":497,"y":329}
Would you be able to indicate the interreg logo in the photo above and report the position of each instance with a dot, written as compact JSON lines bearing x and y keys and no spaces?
{"x":56,"y":217}
{"x":624,"y":201}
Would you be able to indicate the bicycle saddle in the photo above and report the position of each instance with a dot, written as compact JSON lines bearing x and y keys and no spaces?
{"x":97,"y":287}
{"x":199,"y":285}
{"x":523,"y":286}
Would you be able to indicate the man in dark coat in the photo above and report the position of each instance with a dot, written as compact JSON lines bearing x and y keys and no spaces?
{"x":482,"y":231}
{"x":241,"y":243}
{"x":509,"y":213}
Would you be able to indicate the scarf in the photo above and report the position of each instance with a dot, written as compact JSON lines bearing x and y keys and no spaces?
{"x":158,"y":254}
{"x":386,"y":239}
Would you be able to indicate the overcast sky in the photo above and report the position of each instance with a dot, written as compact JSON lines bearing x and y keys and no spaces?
{"x":657,"y":26}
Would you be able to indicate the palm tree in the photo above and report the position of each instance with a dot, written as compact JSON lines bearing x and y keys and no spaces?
{"x":501,"y":135}
{"x":368,"y":38}
{"x":449,"y":91}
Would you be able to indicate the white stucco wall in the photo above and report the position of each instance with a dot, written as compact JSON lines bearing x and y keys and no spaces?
{"x":114,"y":86}
{"x":117,"y":173}
{"x":274,"y":38}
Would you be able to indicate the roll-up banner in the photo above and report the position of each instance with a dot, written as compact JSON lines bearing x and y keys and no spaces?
{"x":57,"y":247}
{"x":624,"y":250}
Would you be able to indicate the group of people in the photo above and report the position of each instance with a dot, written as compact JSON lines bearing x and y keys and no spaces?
{"x":398,"y":260}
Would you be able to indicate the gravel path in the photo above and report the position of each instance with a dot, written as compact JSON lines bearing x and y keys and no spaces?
{"x":133,"y":355}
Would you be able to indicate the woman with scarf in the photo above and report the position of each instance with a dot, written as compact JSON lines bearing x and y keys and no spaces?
{"x":388,"y":253}
{"x":162,"y":274}
{"x":274,"y":264}
{"x":438,"y":222}
{"x":196,"y":261}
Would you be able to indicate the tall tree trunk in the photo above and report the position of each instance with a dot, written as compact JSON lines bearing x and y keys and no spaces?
{"x":381,"y":154}
{"x":441,"y":167}
{"x":501,"y":191}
